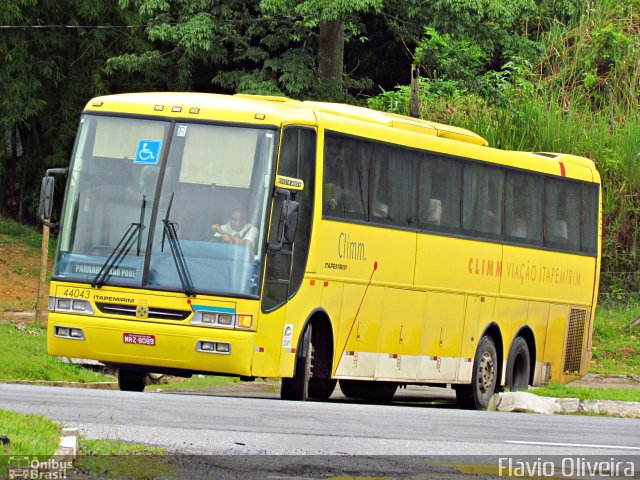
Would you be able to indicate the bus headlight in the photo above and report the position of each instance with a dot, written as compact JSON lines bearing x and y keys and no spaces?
{"x":223,"y":320}
{"x":69,"y":332}
{"x":57,"y":304}
{"x":206,"y":346}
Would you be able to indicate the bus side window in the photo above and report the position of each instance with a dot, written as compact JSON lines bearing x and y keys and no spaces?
{"x":523,"y":208}
{"x":589,"y":219}
{"x":347,"y":165}
{"x":482,"y":199}
{"x":562,"y":214}
{"x":439,"y":192}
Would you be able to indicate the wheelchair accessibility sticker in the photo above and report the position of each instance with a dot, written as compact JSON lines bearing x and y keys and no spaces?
{"x":148,"y":152}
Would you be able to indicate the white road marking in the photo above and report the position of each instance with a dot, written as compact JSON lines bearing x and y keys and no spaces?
{"x":582,"y":445}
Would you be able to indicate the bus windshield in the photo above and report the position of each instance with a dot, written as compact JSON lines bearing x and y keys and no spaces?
{"x":178,"y":207}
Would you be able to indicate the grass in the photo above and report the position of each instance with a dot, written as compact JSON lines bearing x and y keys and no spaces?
{"x":118,"y":459}
{"x":23,"y":356}
{"x":13,"y":233}
{"x":616,"y":346}
{"x":29,"y":436}
{"x":588,"y":393}
{"x":195,"y":382}
{"x":35,"y":437}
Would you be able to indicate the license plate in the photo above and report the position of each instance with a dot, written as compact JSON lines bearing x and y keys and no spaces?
{"x":137,"y":339}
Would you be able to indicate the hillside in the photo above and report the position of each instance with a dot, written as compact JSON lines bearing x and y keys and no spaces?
{"x":19,"y":266}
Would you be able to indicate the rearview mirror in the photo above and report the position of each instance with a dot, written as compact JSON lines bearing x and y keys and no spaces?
{"x":46,"y":198}
{"x":289,"y":219}
{"x":288,"y":223}
{"x":47,"y":189}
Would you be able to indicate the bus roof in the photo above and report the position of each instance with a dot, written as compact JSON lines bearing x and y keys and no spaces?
{"x":275,"y":110}
{"x":400,"y":121}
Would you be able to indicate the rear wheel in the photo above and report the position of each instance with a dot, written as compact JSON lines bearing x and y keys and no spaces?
{"x":368,"y":390}
{"x":321,"y":388}
{"x":484,"y":378}
{"x":131,"y":380}
{"x":518,"y":366}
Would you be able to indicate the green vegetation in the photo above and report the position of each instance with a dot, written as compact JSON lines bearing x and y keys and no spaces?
{"x":38,"y":437}
{"x":23,"y":356}
{"x":116,"y":447}
{"x":616,"y":342}
{"x":14,"y":233}
{"x":20,"y":247}
{"x":117,"y":459}
{"x":196,"y":382}
{"x":29,"y":435}
{"x":588,"y":393}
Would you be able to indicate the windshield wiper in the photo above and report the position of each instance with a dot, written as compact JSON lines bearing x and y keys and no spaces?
{"x":133,"y":233}
{"x":170,"y":232}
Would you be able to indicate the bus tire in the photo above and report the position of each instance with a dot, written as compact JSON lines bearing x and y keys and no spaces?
{"x":131,"y":380}
{"x":321,"y":388}
{"x":484,"y":378}
{"x":368,"y":390}
{"x":297,"y":388}
{"x":518,"y":366}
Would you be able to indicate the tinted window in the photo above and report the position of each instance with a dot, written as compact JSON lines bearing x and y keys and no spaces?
{"x":562,"y":214}
{"x":482,"y":199}
{"x":523,"y":208}
{"x":394,"y":186}
{"x":346,"y":177}
{"x":589,"y":219}
{"x":440,"y":183}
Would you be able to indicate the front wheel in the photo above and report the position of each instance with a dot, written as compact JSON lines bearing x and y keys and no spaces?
{"x":484,"y":378}
{"x":131,"y":380}
{"x":297,"y":388}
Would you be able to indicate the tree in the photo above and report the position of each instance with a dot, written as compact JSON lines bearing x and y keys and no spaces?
{"x":52,"y":63}
{"x":330,"y":17}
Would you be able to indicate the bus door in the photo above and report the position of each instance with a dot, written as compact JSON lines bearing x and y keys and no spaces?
{"x":286,"y":263}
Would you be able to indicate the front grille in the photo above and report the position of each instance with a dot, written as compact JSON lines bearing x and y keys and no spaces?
{"x":575,"y":339}
{"x":154,"y":313}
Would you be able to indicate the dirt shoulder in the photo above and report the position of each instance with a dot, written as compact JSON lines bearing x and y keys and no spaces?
{"x":600,"y":380}
{"x":19,"y":270}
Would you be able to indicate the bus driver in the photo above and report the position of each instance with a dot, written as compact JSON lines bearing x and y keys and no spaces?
{"x":236,"y":231}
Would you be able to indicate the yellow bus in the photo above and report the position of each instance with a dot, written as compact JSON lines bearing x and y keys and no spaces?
{"x":264,"y":237}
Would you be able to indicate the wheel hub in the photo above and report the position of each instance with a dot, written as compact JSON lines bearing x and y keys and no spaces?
{"x":486,"y":370}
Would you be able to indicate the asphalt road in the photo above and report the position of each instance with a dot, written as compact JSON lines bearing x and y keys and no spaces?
{"x":241,"y":427}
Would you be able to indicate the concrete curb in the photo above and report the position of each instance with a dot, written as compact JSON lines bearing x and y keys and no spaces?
{"x":58,"y":465}
{"x":68,"y":448}
{"x":530,"y":403}
{"x":44,"y":383}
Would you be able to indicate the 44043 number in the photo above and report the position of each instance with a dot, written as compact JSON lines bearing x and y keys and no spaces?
{"x":77,"y":293}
